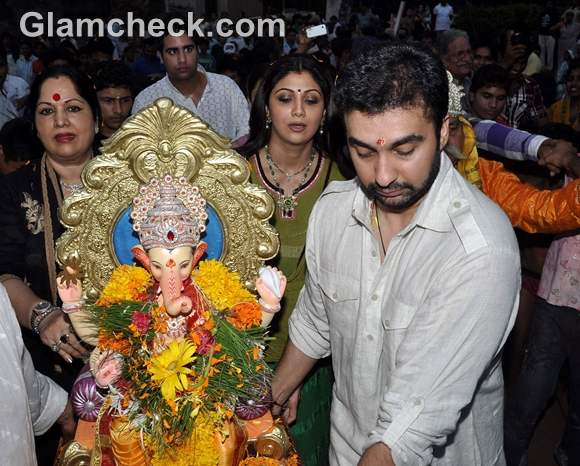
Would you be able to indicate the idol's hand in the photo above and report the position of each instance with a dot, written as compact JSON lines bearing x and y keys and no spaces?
{"x":69,"y":292}
{"x":271,"y":285}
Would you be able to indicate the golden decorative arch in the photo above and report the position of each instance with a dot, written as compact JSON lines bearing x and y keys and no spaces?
{"x":165,"y":139}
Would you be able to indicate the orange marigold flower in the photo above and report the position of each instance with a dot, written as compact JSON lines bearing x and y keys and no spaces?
{"x":246,"y":315}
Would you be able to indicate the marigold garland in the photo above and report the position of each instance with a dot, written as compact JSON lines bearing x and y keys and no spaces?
{"x":246,"y":315}
{"x":199,"y":450}
{"x":127,"y":283}
{"x":222,"y":287}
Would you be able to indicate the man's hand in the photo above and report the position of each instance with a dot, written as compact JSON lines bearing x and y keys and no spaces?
{"x":557,"y":155}
{"x":513,"y":53}
{"x":67,"y":423}
{"x":287,"y":408}
{"x":377,"y":455}
{"x":291,"y":411}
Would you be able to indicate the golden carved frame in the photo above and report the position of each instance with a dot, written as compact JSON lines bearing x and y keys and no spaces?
{"x":166,"y":139}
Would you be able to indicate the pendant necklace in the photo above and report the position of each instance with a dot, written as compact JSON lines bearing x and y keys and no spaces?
{"x":287,"y":203}
{"x":379,"y":229}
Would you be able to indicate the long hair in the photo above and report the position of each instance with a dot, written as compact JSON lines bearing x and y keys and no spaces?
{"x":259,"y":134}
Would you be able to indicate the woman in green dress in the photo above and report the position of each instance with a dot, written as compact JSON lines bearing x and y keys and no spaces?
{"x":287,"y":150}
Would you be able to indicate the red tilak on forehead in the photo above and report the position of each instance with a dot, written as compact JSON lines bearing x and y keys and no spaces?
{"x":56,"y":97}
{"x":381,"y":142}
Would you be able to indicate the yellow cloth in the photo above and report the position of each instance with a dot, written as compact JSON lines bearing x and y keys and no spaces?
{"x":469,"y":167}
{"x":559,"y":112}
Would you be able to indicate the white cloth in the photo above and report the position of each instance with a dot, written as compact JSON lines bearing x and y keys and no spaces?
{"x":14,"y":88}
{"x":443,"y":17}
{"x":24,"y":68}
{"x":415,"y":341}
{"x":222,"y":105}
{"x":31,"y":402}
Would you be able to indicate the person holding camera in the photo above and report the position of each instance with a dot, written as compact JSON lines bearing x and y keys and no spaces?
{"x":525,"y":106}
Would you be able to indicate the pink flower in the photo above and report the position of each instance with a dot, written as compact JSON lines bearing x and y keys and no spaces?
{"x":141,"y":321}
{"x":206,"y":341}
{"x":109,"y":370}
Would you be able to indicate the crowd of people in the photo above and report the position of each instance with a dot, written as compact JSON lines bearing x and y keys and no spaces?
{"x":428,"y":208}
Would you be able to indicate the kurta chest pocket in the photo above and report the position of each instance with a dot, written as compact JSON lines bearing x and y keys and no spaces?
{"x":338,"y":288}
{"x":340,"y":295}
{"x":397,"y":315}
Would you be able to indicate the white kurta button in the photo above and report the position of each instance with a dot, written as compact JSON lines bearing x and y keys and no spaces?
{"x":334,"y":296}
{"x":374,"y":297}
{"x":370,"y":338}
{"x":387,"y":323}
{"x":457,"y":204}
{"x":374,"y":253}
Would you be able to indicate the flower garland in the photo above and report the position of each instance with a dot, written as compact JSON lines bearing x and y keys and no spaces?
{"x":222,"y":287}
{"x":173,"y":390}
{"x":127,"y":283}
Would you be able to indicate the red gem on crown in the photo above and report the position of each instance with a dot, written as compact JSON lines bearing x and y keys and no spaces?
{"x":170,"y":235}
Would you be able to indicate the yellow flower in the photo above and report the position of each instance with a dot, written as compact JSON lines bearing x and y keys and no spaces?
{"x":222,"y":287}
{"x":201,"y":449}
{"x":127,"y":283}
{"x":169,"y":368}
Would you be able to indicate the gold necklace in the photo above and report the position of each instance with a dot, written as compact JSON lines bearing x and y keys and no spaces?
{"x":287,"y":203}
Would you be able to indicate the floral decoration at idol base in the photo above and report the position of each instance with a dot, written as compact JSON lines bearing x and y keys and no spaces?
{"x":179,"y":341}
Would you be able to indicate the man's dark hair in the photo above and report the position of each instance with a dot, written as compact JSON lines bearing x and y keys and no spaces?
{"x":19,"y":142}
{"x":113,"y":74}
{"x":389,"y":76}
{"x":102,"y":45}
{"x":180,"y":28}
{"x":488,"y":43}
{"x":394,"y":75}
{"x":488,"y":76}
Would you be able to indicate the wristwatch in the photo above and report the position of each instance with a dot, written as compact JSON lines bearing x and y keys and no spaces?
{"x":39,"y":312}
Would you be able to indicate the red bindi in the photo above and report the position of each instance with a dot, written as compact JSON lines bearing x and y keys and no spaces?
{"x":381,"y":142}
{"x":56,"y":97}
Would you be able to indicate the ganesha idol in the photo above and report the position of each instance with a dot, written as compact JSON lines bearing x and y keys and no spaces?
{"x":174,"y":354}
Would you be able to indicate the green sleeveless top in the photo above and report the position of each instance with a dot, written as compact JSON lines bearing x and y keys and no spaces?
{"x":292,"y":233}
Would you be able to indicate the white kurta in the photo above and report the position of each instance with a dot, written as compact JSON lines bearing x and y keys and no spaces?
{"x":222,"y":105}
{"x":415,"y":340}
{"x":29,"y":402}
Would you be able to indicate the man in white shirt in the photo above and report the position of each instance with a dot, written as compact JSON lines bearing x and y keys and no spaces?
{"x":215,"y":98}
{"x":13,"y":92}
{"x":443,"y":13}
{"x":413,"y":281}
{"x":31,"y":402}
{"x":24,"y":63}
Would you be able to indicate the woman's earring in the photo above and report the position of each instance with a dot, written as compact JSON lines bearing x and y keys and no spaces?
{"x":268,"y":121}
{"x":321,"y":130}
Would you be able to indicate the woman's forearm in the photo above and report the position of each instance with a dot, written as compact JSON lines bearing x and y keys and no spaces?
{"x":22,"y":298}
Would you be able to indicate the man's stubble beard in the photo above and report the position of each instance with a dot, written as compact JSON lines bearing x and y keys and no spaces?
{"x":411,"y":194}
